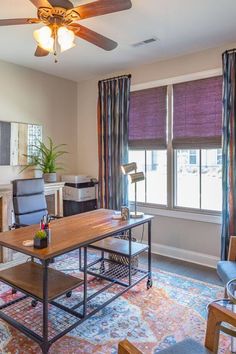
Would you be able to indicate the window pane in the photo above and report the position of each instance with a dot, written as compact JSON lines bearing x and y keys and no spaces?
{"x":211,"y":179}
{"x":137,"y":156}
{"x":193,"y":157}
{"x":156,"y":177}
{"x":187,"y":178}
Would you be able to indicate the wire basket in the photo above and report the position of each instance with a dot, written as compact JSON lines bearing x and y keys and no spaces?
{"x":124,"y":259}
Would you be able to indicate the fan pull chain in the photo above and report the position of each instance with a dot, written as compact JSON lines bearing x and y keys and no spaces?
{"x":55,"y":57}
{"x":55,"y":50}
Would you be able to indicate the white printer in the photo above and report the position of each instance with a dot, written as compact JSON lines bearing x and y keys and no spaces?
{"x":79,"y":194}
{"x":79,"y":188}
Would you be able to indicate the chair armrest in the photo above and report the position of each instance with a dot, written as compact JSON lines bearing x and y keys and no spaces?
{"x":17,"y":226}
{"x":232,"y":249}
{"x":216,"y":315}
{"x":54,"y":217}
{"x":125,"y":347}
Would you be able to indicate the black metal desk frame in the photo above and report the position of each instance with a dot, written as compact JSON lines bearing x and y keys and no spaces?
{"x":44,"y":340}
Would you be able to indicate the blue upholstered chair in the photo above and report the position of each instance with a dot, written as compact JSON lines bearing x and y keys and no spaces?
{"x":29,"y":201}
{"x":30,"y":206}
{"x":227,"y":269}
{"x":216,"y":315}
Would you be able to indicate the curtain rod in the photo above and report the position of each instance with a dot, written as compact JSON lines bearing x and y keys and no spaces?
{"x":229,"y":51}
{"x":115,"y":78}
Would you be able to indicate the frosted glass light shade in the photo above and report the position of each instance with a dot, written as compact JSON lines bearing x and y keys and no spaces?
{"x":65,"y":38}
{"x":43,"y":36}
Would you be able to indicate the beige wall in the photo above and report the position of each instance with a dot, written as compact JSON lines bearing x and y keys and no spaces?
{"x":191,"y":236}
{"x":87,"y":96}
{"x":34,"y":97}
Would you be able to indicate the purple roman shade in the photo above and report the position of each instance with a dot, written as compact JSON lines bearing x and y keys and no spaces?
{"x":147,"y":120}
{"x":197,"y":113}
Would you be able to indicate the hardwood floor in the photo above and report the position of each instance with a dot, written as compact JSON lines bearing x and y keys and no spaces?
{"x":188,"y":269}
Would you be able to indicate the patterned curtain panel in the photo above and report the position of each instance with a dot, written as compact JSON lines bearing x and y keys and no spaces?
{"x":229,"y":156}
{"x":113,"y":123}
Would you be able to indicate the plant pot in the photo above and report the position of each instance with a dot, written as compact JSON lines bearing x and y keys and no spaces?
{"x":40,"y":242}
{"x":50,"y":177}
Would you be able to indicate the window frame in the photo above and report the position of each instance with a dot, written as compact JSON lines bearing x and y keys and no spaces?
{"x":171,"y":159}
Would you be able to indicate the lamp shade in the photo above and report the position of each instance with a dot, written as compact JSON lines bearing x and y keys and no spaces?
{"x":66,"y":38}
{"x":43,"y":36}
{"x":128,"y":167}
{"x":136,"y":177}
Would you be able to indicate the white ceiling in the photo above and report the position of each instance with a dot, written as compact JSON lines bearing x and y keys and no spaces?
{"x":182,"y":26}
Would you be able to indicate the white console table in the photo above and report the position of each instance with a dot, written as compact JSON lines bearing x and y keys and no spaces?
{"x":55,"y":189}
{"x":54,"y":196}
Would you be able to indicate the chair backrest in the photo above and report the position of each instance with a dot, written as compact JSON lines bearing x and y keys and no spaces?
{"x":29,"y":201}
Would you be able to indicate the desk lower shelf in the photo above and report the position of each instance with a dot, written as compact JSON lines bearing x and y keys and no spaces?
{"x":119,"y":246}
{"x":28,"y":277}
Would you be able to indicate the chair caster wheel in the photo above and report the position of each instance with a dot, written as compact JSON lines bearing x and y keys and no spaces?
{"x":69,"y":294}
{"x":149,"y":284}
{"x":34,"y":303}
{"x":13,"y":291}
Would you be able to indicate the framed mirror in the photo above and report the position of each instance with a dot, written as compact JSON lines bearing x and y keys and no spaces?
{"x":16,"y":140}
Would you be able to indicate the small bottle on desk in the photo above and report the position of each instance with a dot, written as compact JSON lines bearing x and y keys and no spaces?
{"x":45,"y":225}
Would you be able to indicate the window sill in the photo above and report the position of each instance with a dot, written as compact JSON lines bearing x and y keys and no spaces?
{"x":179,"y":214}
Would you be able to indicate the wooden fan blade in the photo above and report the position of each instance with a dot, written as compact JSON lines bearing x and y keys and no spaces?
{"x":40,"y":52}
{"x":41,"y":3}
{"x":102,"y":7}
{"x":93,"y":37}
{"x":66,"y":4}
{"x":18,"y":21}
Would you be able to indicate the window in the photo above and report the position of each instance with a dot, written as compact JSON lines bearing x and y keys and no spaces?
{"x":185,"y":169}
{"x":192,"y":157}
{"x":197,"y":111}
{"x":154,"y":162}
{"x":156,"y":179}
{"x":198,"y":186}
{"x":154,"y":189}
{"x":139,"y":157}
{"x":147,"y":143}
{"x":219,"y":157}
{"x":211,"y":180}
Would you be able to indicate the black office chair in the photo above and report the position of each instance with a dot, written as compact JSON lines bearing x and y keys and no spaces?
{"x":30,"y":206}
{"x":29,"y":201}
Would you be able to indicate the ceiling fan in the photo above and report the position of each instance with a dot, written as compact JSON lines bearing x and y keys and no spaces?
{"x":60,"y":24}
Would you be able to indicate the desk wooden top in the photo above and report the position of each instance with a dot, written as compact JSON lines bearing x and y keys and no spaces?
{"x":70,"y":233}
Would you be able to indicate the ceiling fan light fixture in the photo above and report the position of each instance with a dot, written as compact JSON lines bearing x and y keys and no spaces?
{"x":60,"y":28}
{"x":43,"y":37}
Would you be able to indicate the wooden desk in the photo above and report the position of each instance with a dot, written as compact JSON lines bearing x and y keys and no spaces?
{"x":45,"y":284}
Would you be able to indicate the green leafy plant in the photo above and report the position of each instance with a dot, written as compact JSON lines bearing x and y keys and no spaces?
{"x":45,"y":157}
{"x":41,"y":234}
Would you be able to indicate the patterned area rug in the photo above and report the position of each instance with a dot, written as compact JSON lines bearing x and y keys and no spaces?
{"x":173,"y":309}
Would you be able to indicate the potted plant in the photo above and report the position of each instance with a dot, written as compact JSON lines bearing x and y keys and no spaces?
{"x":45,"y":159}
{"x":40,"y":239}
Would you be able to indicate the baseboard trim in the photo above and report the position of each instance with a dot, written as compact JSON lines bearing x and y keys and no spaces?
{"x":185,"y":255}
